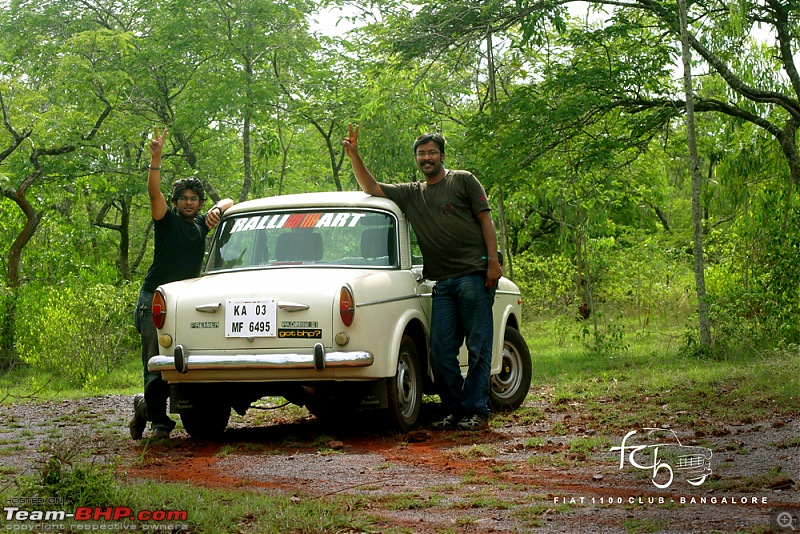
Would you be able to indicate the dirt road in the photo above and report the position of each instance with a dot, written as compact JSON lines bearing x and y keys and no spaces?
{"x":546,"y":475}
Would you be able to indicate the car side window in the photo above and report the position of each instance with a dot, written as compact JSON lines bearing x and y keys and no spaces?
{"x":416,"y":253}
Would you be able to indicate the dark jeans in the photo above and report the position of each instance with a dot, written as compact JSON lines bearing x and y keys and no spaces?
{"x":156,"y":389}
{"x":462,"y":308}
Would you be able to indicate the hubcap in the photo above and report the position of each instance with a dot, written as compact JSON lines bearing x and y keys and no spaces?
{"x":405,"y":387}
{"x":508,"y":379}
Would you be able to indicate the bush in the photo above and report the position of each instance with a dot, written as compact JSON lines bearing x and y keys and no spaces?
{"x":754,"y":298}
{"x":78,"y":334}
{"x":636,"y":277}
{"x":547,"y":284}
{"x":64,"y":476}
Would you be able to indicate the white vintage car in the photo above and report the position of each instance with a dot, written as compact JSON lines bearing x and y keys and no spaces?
{"x":318,"y":298}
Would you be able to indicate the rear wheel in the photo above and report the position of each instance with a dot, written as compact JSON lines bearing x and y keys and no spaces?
{"x":206,"y":421}
{"x":511,"y":385}
{"x":326,"y":405}
{"x":404,"y":390}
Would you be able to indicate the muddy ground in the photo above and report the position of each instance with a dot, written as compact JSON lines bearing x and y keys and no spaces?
{"x":547,"y":475}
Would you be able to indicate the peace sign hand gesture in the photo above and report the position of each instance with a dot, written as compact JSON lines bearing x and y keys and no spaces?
{"x":157,"y":144}
{"x":350,"y":144}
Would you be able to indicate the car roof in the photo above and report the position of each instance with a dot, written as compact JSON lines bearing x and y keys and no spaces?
{"x":331,"y":199}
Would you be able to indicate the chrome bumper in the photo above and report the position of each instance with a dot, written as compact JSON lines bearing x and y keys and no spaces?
{"x":183,"y":362}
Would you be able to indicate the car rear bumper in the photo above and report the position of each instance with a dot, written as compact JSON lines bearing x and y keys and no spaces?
{"x":183,"y":362}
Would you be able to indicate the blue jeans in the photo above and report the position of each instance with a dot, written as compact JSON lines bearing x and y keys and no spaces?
{"x":462,"y":309}
{"x":156,"y":389}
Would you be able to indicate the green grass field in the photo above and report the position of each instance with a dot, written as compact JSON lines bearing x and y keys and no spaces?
{"x":649,"y":379}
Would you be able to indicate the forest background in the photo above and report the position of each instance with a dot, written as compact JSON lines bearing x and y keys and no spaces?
{"x":572,"y":116}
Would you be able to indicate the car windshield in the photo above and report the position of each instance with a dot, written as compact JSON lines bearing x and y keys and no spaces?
{"x":341,"y":237}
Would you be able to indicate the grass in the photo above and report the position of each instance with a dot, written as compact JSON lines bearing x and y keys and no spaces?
{"x":650,"y":383}
{"x":531,"y":515}
{"x":643,"y":525}
{"x":234,"y":510}
{"x":408,"y":501}
{"x":751,"y":483}
{"x":474,"y":451}
{"x":26,"y":383}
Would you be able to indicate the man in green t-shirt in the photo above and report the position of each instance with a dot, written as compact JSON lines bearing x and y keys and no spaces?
{"x":180,"y":235}
{"x":450,"y":214}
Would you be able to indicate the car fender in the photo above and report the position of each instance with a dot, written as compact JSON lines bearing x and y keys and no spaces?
{"x":172,"y":293}
{"x":392,"y":349}
{"x":501,"y":320}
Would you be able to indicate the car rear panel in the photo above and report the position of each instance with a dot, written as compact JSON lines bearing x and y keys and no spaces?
{"x":224,"y":317}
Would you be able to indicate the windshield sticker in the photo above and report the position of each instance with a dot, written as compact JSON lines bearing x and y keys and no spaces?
{"x":297,"y":220}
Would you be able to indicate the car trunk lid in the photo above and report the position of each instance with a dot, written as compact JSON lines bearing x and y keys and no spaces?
{"x":264,"y":309}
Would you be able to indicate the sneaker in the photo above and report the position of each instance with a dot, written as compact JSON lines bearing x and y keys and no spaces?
{"x":160,"y":433}
{"x":139,"y":419}
{"x":474,"y":422}
{"x":445,"y":423}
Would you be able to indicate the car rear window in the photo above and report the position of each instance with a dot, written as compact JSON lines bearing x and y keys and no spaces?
{"x":341,"y":237}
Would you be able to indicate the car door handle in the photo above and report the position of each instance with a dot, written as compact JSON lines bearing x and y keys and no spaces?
{"x":292,"y":306}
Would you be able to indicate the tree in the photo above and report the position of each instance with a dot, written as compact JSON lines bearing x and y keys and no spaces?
{"x":621,"y":68}
{"x":697,"y":211}
{"x":254,"y":33}
{"x":43,"y":92}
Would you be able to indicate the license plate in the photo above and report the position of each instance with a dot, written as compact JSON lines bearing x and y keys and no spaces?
{"x":251,"y":318}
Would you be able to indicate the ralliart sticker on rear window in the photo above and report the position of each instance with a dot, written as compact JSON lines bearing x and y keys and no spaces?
{"x":298,"y":220}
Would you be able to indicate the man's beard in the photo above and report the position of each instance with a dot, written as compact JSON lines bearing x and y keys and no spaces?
{"x":432,"y":171}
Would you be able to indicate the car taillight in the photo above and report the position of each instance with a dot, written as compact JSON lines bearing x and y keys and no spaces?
{"x":159,"y":309}
{"x":347,"y":306}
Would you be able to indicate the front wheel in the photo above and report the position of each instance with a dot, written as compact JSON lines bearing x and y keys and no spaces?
{"x":510,"y":386}
{"x":405,"y":388}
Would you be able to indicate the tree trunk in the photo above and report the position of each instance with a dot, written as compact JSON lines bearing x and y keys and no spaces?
{"x":508,"y":267}
{"x":247,"y":151}
{"x":123,"y":205}
{"x":697,"y":184}
{"x":33,"y":218}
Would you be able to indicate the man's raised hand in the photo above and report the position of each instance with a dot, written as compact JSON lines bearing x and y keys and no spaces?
{"x":157,"y":143}
{"x":351,"y":143}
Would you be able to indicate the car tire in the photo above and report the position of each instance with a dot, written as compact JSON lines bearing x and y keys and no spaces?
{"x":404,"y":390}
{"x":206,"y":422}
{"x":510,"y":386}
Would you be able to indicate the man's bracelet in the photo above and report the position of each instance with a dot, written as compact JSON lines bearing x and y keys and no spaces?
{"x":155,"y":168}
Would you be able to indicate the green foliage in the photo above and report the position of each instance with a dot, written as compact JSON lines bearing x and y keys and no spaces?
{"x":64,"y":476}
{"x":7,"y":313}
{"x":754,"y":298}
{"x":77,"y":333}
{"x":604,"y":342}
{"x":635,"y":277}
{"x":641,"y":273}
{"x":548,"y":283}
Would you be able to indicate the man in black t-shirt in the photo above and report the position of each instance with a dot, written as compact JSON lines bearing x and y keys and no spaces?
{"x":180,"y":235}
{"x":450,"y":214}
